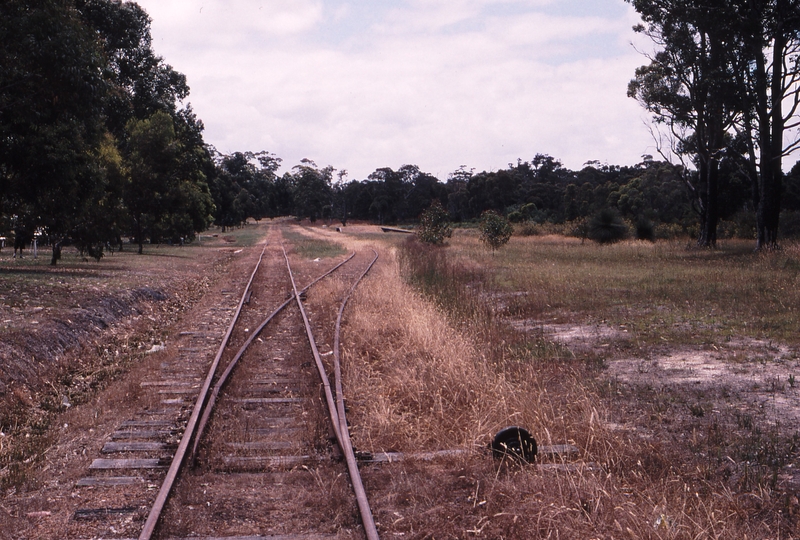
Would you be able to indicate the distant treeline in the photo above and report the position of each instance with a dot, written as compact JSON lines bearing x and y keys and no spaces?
{"x":97,"y":149}
{"x":538,"y":191}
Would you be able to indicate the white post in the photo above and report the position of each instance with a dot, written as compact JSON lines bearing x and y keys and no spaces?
{"x":35,"y":251}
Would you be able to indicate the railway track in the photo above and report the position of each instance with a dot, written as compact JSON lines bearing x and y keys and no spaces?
{"x":249,"y":444}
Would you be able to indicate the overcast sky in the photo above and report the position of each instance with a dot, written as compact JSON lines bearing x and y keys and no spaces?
{"x":362,"y":84}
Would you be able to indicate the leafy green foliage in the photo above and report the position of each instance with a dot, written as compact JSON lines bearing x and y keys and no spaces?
{"x":244,"y":187}
{"x":51,"y":123}
{"x":312,"y":193}
{"x":495,"y":229}
{"x":73,"y":78}
{"x":434,"y":224}
{"x":165,"y":200}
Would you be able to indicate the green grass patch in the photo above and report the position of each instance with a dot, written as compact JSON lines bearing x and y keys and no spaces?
{"x":248,"y":235}
{"x":312,"y":248}
{"x":662,"y":291}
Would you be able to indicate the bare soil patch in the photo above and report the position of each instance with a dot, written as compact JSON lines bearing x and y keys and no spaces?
{"x":762,"y":375}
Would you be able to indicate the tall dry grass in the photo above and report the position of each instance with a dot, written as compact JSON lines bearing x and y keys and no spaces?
{"x":430,"y":363}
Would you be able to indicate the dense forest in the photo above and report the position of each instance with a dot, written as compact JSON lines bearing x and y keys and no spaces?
{"x":97,"y":148}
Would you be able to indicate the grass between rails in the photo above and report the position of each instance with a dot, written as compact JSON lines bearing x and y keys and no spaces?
{"x":677,"y":468}
{"x":312,"y":248}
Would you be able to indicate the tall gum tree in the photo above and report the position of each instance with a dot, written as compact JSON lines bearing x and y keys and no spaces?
{"x":51,"y":122}
{"x":752,"y":48}
{"x":167,"y":197}
{"x":769,"y":76}
{"x":690,"y":89}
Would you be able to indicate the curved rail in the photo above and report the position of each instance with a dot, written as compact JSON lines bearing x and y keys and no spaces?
{"x":355,"y":476}
{"x":180,"y":453}
{"x":336,"y":407}
{"x":205,"y":402}
{"x":326,"y":383}
{"x":232,"y":364}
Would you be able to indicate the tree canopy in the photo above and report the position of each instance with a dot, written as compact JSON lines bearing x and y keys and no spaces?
{"x":726,"y":84}
{"x":79,"y":87}
{"x":97,"y":144}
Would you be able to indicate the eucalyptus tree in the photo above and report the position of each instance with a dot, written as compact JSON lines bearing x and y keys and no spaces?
{"x":769,"y":77}
{"x":140,"y":82}
{"x":746,"y":54}
{"x":166,"y":198}
{"x":244,"y":187}
{"x":312,"y":191}
{"x":690,"y":88}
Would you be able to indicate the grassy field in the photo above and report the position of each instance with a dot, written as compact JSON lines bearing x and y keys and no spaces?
{"x":671,"y":368}
{"x":662,"y":290}
{"x":116,"y":270}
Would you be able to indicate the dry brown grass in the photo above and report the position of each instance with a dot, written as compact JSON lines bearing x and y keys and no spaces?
{"x":420,"y":379}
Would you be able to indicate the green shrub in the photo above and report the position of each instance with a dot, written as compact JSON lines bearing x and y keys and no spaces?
{"x":645,"y":229}
{"x":434,"y":224}
{"x":516,"y":217}
{"x":495,"y":229}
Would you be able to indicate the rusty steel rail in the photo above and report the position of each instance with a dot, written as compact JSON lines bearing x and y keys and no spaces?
{"x":232,"y":364}
{"x":326,"y":383}
{"x":336,"y":406}
{"x":355,"y":476}
{"x":180,"y":453}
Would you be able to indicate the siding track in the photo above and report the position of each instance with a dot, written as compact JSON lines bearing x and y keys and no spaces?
{"x":249,"y":451}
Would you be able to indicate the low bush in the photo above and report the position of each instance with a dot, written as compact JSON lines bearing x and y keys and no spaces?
{"x":645,"y":229}
{"x":527,"y":229}
{"x":434,"y":224}
{"x":495,"y":230}
{"x":607,"y":227}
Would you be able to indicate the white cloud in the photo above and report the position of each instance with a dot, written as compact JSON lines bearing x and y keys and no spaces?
{"x":230,"y":23}
{"x":436,"y":83}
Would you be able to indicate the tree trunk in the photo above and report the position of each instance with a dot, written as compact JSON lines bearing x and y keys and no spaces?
{"x":710,"y":217}
{"x":768,"y":211}
{"x":56,"y":253}
{"x":139,"y":234}
{"x":771,"y":144}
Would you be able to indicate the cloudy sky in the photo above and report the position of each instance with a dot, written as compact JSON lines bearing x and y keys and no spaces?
{"x":363,"y":84}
